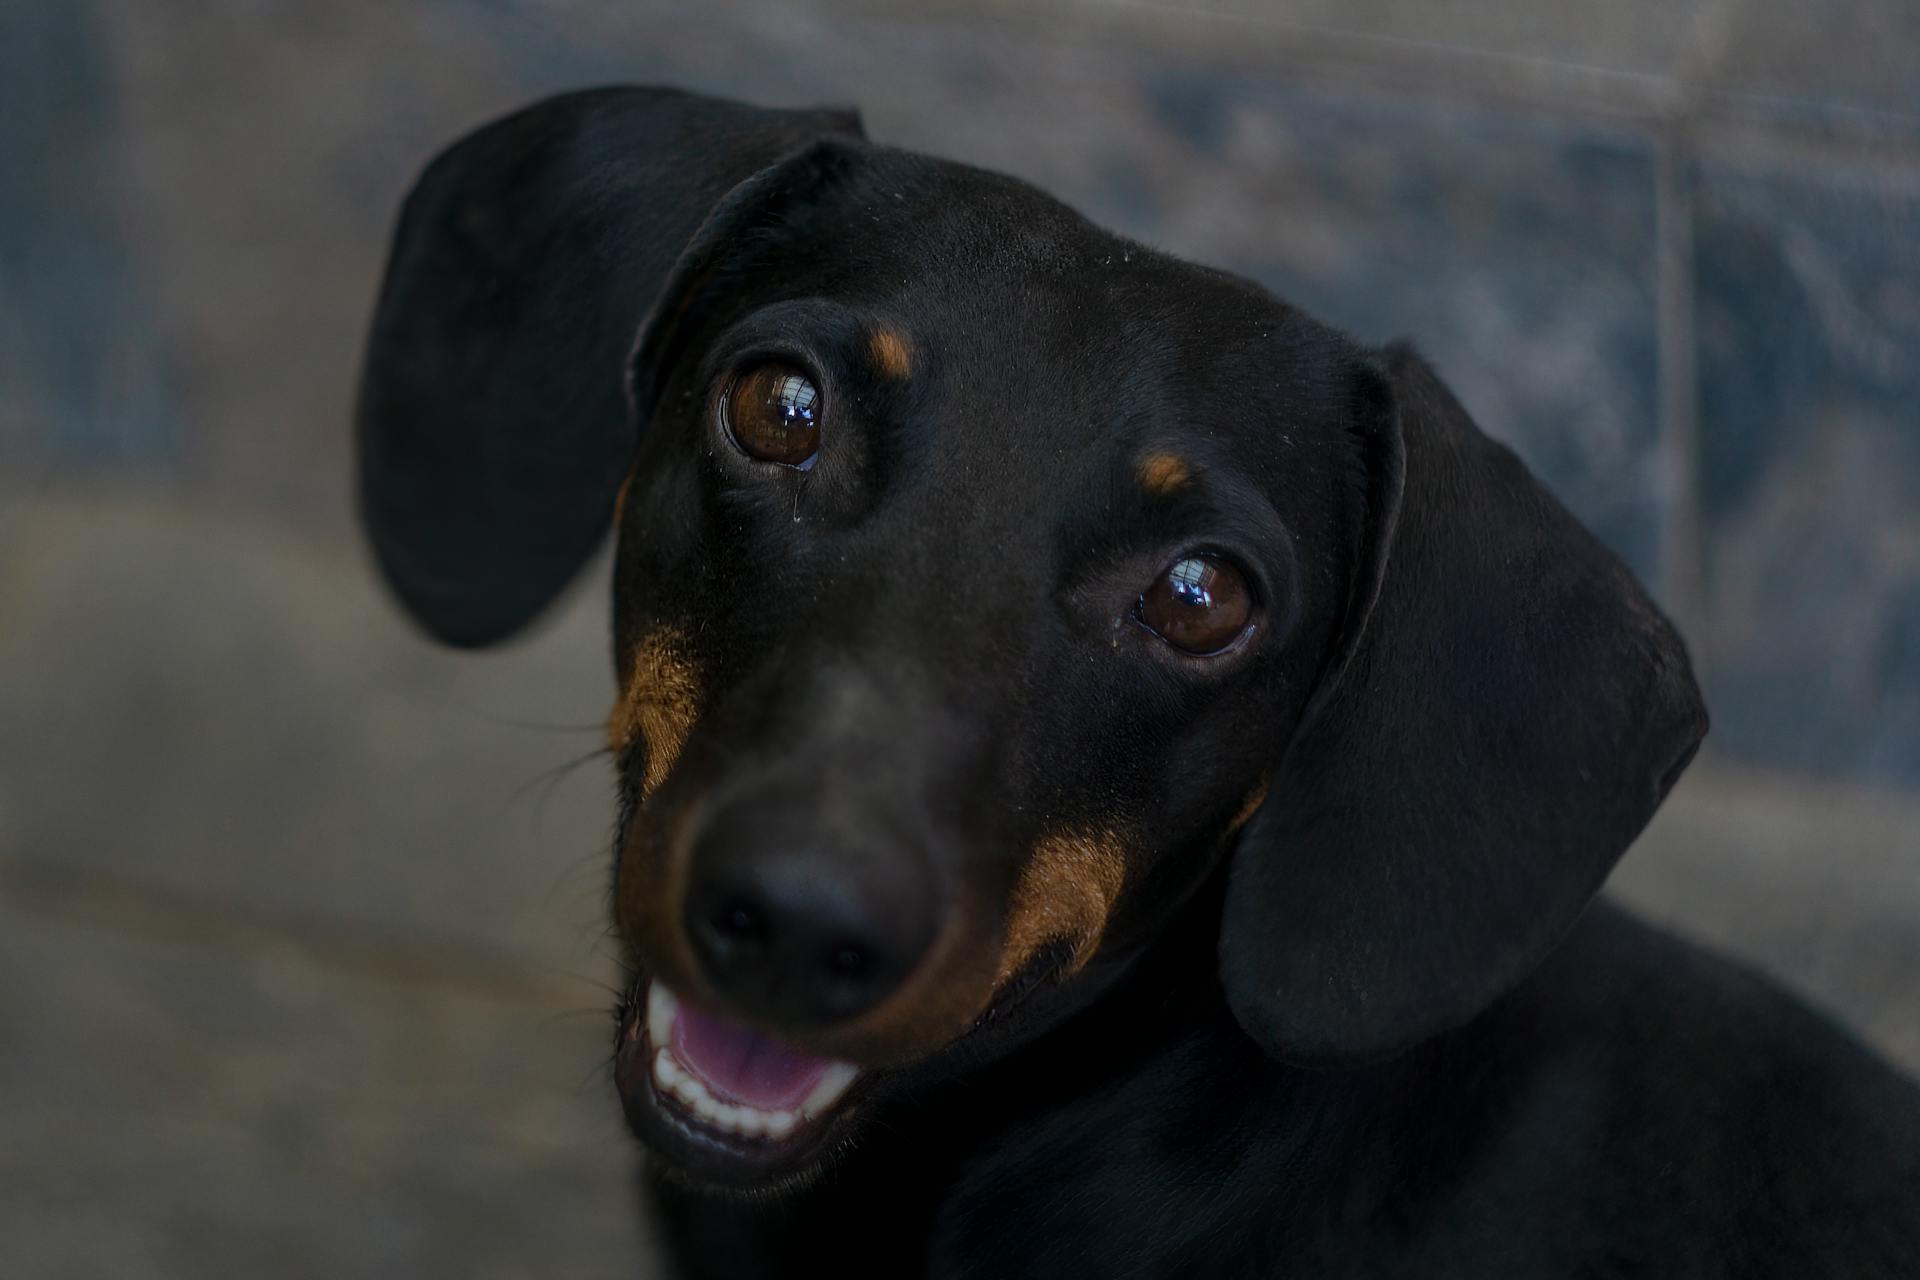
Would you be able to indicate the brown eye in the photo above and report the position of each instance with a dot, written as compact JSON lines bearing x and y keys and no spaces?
{"x":771,"y":413}
{"x":1200,"y":605}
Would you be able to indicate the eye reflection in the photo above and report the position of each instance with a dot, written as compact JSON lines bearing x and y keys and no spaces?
{"x":1200,"y":605}
{"x":771,"y":411}
{"x":793,"y":395}
{"x":1189,"y":581}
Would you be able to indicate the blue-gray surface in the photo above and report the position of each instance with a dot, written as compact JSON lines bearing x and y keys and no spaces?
{"x":1809,"y":495}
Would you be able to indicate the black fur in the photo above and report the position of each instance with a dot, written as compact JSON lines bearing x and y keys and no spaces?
{"x":1378,"y":1031}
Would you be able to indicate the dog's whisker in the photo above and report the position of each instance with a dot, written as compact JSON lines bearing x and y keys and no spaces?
{"x":557,"y":773}
{"x":539,"y":726}
{"x":559,"y":1017}
{"x":599,"y":984}
{"x":570,"y":875}
{"x":552,"y":779}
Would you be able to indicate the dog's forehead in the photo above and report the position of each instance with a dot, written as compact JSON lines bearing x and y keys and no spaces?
{"x":1006,"y":260}
{"x":1038,"y":324}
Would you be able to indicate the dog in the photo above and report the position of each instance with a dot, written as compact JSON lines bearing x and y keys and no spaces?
{"x":1114,"y":775}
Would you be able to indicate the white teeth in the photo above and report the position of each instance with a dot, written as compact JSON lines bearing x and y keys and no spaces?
{"x":661,"y":1008}
{"x":672,"y":1077}
{"x":834,"y":1083}
{"x":693,"y":1094}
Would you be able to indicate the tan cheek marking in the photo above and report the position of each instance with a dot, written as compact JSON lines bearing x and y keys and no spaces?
{"x":1249,"y":806}
{"x":891,"y":354}
{"x":620,"y":499}
{"x":1164,"y":473}
{"x":659,"y":704}
{"x":649,"y":886}
{"x":1065,"y":894}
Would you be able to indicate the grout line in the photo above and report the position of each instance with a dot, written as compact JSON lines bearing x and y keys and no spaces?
{"x":1681,"y":551}
{"x":1654,"y":84}
{"x":1331,"y":58}
{"x":182,"y":917}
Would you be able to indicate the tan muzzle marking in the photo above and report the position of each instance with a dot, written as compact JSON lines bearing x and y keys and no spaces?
{"x":1065,"y":893}
{"x":658,"y":703}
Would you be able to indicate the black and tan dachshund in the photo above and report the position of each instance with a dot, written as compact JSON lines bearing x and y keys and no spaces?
{"x":1113,"y":774}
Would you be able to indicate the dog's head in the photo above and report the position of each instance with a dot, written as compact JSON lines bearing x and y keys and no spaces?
{"x":985,"y":585}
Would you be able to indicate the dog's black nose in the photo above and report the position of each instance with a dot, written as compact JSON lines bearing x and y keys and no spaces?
{"x":802,"y":938}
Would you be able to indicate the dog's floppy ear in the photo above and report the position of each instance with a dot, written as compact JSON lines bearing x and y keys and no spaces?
{"x":493,"y":429}
{"x":1504,"y":712}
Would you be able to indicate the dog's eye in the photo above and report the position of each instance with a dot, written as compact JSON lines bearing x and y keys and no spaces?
{"x":1200,"y":605}
{"x":772,"y":413}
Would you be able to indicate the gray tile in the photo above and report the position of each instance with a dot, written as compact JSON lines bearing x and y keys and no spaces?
{"x":179,"y":1109}
{"x":1848,"y":65}
{"x":1808,"y":318}
{"x":1817,"y":884}
{"x":259,"y":153}
{"x":84,"y":371}
{"x":1635,"y":37}
{"x":190,"y":702}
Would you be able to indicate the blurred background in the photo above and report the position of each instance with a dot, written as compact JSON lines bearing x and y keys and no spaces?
{"x":301,"y":950}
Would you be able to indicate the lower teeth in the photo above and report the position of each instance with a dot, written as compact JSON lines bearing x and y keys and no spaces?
{"x":750,"y":1122}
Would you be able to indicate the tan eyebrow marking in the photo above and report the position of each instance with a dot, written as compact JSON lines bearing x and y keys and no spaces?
{"x":658,"y":703}
{"x":891,"y":353}
{"x":1065,"y":893}
{"x":1164,"y":473}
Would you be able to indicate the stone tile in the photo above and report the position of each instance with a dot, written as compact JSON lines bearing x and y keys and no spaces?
{"x":1636,"y":37}
{"x":1840,"y":64}
{"x":84,"y":377}
{"x":1808,"y":318}
{"x":197,"y":704}
{"x":261,"y":151}
{"x":1844,"y":68}
{"x":174,"y":1108}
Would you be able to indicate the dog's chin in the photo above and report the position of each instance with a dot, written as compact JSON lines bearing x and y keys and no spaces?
{"x":726,"y":1106}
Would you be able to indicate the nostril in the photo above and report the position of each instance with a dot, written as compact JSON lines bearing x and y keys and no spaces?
{"x":741,"y":919}
{"x":794,"y":937}
{"x":850,"y":961}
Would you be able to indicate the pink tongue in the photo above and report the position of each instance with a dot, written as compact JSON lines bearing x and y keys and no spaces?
{"x":741,"y":1065}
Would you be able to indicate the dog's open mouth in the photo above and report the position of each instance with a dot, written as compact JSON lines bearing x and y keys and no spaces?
{"x":723,"y":1099}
